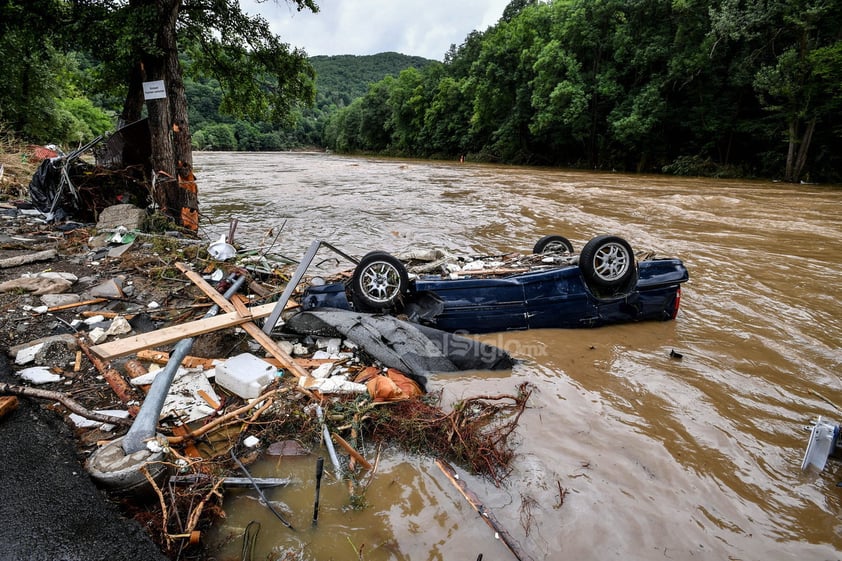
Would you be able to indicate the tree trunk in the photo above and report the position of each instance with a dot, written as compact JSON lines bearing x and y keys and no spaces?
{"x":185,"y":197}
{"x":801,"y":160}
{"x":174,"y":189}
{"x":133,"y":106}
{"x":163,"y":163}
{"x":790,"y":155}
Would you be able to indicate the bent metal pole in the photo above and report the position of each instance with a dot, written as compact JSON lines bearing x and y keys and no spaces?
{"x":146,"y":422}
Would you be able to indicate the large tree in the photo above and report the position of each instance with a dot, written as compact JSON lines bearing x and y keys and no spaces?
{"x":141,"y":42}
{"x":792,"y":47}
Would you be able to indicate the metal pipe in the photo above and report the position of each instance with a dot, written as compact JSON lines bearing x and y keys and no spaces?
{"x":273,"y":318}
{"x":305,"y":262}
{"x":263,"y":498}
{"x":146,"y":423}
{"x":331,"y":451}
{"x":320,"y":464}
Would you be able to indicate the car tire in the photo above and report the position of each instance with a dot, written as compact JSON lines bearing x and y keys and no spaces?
{"x":607,"y":262}
{"x":379,"y":282}
{"x":553,"y":244}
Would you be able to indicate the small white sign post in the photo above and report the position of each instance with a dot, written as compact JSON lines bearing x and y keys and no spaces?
{"x":154,"y":90}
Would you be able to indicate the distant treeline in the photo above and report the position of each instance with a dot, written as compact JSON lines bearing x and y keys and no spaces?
{"x":740,"y":88}
{"x":339,"y":81}
{"x":691,"y":87}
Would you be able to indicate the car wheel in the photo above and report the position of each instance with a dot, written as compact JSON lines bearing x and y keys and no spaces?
{"x":553,"y":244}
{"x":607,"y":262}
{"x":379,"y":282}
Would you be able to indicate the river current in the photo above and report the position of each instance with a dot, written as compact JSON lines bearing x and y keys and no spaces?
{"x":625,"y":451}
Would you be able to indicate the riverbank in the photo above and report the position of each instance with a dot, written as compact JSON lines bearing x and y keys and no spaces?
{"x":66,"y":287}
{"x":51,"y":507}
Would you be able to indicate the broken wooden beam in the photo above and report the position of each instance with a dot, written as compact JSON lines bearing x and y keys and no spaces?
{"x":168,"y":335}
{"x":162,"y":357}
{"x":351,"y":451}
{"x":18,"y":260}
{"x":120,"y":387}
{"x":251,"y":328}
{"x":8,"y":403}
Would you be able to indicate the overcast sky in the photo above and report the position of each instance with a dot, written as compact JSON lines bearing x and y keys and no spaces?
{"x":424,"y":28}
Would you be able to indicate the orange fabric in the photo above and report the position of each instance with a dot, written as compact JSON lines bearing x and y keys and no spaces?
{"x":408,"y":386}
{"x":367,"y":374}
{"x":394,"y":386}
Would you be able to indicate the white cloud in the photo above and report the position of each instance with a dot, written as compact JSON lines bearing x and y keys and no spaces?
{"x":424,"y":28}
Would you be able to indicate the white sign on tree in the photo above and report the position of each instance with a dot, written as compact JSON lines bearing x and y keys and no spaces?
{"x":154,"y":90}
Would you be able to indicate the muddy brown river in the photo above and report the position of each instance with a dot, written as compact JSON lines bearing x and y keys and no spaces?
{"x":657,"y":458}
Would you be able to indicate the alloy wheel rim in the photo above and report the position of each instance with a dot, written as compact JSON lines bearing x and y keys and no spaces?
{"x":381,"y":281}
{"x":611,"y":261}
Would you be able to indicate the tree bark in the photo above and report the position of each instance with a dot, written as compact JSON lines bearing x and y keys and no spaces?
{"x":174,"y":188}
{"x":185,"y":197}
{"x":801,"y":160}
{"x":790,"y":154}
{"x":133,"y":105}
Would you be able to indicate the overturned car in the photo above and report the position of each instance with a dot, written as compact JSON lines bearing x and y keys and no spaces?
{"x":605,"y":284}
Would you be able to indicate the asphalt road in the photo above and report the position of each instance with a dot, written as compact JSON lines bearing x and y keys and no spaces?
{"x":50,"y":508}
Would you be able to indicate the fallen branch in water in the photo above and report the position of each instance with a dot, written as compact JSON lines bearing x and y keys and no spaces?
{"x":486,"y":515}
{"x":475,"y":434}
{"x":823,"y":398}
{"x":68,"y":402}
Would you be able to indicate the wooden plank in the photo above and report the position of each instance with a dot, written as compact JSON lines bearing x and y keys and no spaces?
{"x":251,"y":328}
{"x":275,"y":350}
{"x":167,"y":335}
{"x":161,"y":357}
{"x":240,"y":306}
{"x":303,"y":362}
{"x":351,"y":451}
{"x":208,"y":399}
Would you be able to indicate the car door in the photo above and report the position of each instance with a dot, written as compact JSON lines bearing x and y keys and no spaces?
{"x":478,"y":305}
{"x":558,"y":298}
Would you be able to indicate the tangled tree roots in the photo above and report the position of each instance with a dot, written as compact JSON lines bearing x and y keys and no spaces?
{"x":476,"y":434}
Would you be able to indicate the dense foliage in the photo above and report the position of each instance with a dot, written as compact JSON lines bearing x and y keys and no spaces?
{"x":714,"y":87}
{"x":139,"y":46}
{"x":339,"y":80}
{"x":711,"y":87}
{"x":68,"y":65}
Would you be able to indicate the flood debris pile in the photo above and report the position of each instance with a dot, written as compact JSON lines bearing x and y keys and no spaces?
{"x":97,"y":319}
{"x":475,"y":433}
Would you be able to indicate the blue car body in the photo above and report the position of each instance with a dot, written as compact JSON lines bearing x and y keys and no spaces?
{"x":550,"y":298}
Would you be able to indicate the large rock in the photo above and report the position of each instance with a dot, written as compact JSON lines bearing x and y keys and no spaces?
{"x":128,"y":216}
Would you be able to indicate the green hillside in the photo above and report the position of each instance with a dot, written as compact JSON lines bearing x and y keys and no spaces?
{"x":339,"y":80}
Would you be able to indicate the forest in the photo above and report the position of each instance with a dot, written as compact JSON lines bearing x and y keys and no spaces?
{"x":723,"y":88}
{"x":339,"y":81}
{"x":691,"y":87}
